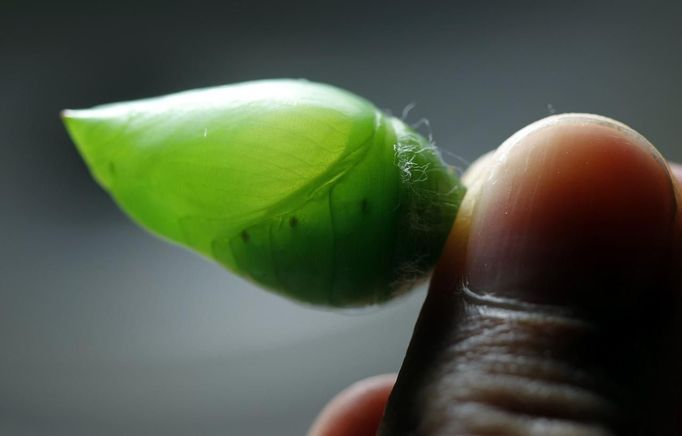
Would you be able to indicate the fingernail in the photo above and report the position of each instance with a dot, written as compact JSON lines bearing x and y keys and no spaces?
{"x":570,"y":204}
{"x":676,"y":169}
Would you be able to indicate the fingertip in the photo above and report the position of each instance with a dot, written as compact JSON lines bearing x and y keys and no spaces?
{"x":571,"y":199}
{"x":357,"y":410}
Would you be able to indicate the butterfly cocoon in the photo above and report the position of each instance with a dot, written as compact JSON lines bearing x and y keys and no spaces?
{"x":303,"y":188}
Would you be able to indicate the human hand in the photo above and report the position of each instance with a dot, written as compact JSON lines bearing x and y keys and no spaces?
{"x":556,"y":308}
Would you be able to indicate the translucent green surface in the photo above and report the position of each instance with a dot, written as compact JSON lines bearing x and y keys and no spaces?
{"x":302,"y":187}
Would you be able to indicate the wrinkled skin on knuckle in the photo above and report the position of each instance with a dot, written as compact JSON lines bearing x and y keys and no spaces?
{"x":505,"y":374}
{"x":509,"y":368}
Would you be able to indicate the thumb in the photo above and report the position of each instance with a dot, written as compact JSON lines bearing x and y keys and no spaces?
{"x":554,"y":308}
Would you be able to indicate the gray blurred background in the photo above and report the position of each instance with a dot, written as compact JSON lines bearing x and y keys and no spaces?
{"x":105,"y":330}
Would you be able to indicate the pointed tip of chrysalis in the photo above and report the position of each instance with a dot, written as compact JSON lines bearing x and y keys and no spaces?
{"x":75,"y":127}
{"x":69,"y":118}
{"x":69,"y":115}
{"x":90,"y":134}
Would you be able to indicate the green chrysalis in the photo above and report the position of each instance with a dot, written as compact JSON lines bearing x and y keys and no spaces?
{"x":304,"y":188}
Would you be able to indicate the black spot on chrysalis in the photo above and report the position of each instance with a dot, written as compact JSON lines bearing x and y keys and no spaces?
{"x":245,"y":236}
{"x":364,"y":206}
{"x":293,"y":222}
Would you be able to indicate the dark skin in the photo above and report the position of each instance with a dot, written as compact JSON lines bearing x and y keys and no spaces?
{"x":556,"y":308}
